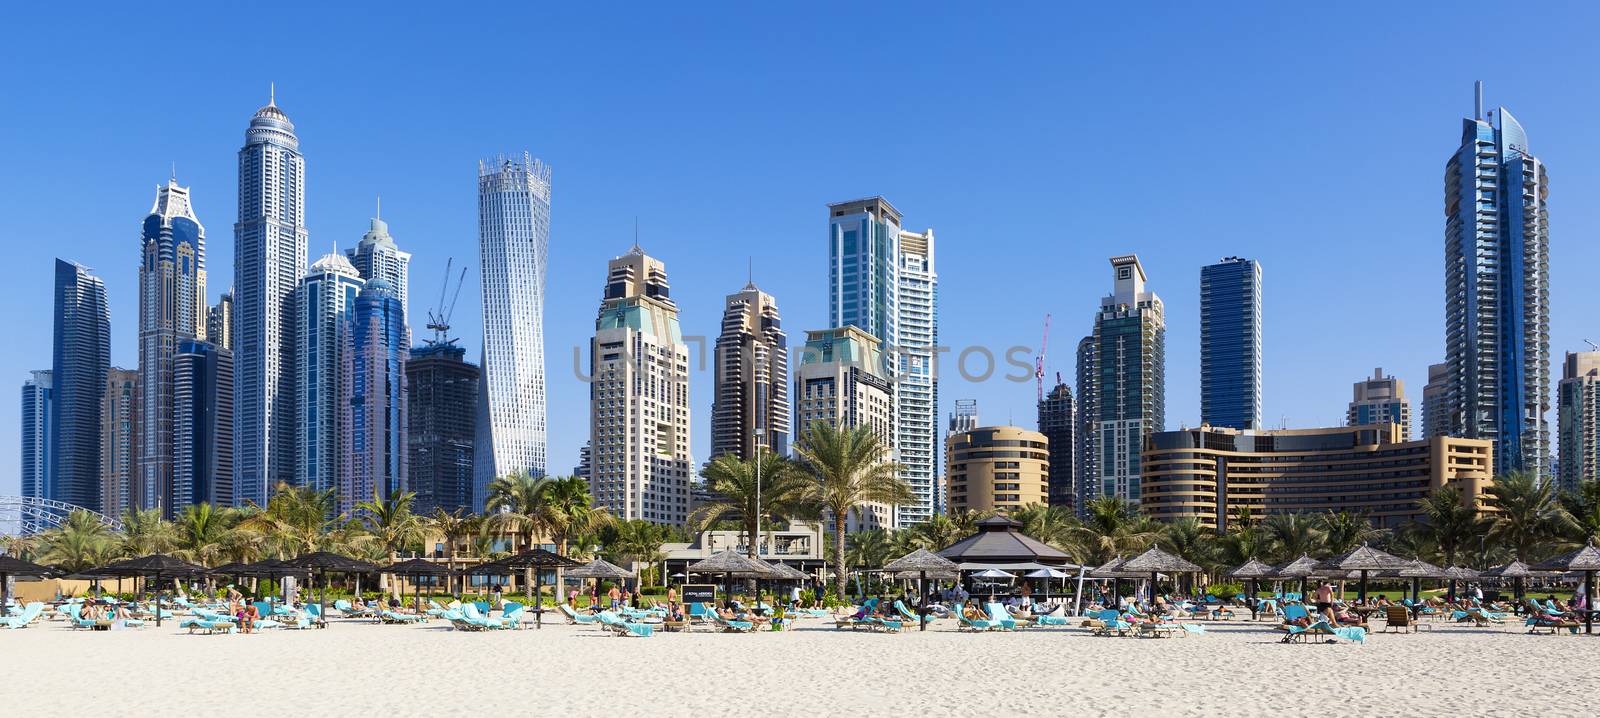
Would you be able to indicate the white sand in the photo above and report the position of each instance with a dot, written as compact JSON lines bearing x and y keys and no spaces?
{"x":358,"y":668}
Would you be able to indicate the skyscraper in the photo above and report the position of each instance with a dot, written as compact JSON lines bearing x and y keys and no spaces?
{"x":269,"y":258}
{"x":441,"y":411}
{"x":202,"y":425}
{"x":1129,"y":380}
{"x":513,"y":242}
{"x":639,"y":396}
{"x":118,"y":434}
{"x":1380,"y":400}
{"x":82,"y":359}
{"x":1085,"y":462}
{"x":376,"y":407}
{"x":1230,"y":344}
{"x":964,"y":417}
{"x":172,"y":308}
{"x":882,"y":279}
{"x":324,"y":302}
{"x":219,"y":322}
{"x":38,"y":435}
{"x":751,"y":406}
{"x":1435,"y":409}
{"x":1497,"y":291}
{"x":1056,"y":423}
{"x":377,"y":257}
{"x":841,"y":381}
{"x":1578,"y":419}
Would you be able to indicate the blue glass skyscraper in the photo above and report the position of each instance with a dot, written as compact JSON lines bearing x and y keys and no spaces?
{"x":376,"y":467}
{"x":202,"y":425}
{"x":1497,"y":292}
{"x":82,"y":359}
{"x":1230,"y":344}
{"x":38,"y":434}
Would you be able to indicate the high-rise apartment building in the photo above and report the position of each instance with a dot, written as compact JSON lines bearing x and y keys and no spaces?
{"x":1435,"y":408}
{"x":639,"y":396}
{"x":997,"y":468}
{"x":1056,"y":421}
{"x":375,"y":467}
{"x":219,"y":322}
{"x":202,"y":426}
{"x":751,"y":406}
{"x":1578,"y":419}
{"x":964,"y":417}
{"x":1128,"y":355}
{"x":1497,"y":291}
{"x":841,"y":382}
{"x":118,"y":434}
{"x":82,"y":357}
{"x":1230,"y":343}
{"x":1085,"y":462}
{"x":513,"y":243}
{"x":269,"y":258}
{"x":882,"y":280}
{"x":377,"y":257}
{"x":324,"y":303}
{"x":441,"y":410}
{"x":172,"y":308}
{"x":1380,"y":400}
{"x":38,"y":434}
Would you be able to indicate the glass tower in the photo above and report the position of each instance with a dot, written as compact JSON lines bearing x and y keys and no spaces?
{"x":1056,"y":423}
{"x":326,"y":298}
{"x":1578,"y":419}
{"x":513,"y":244}
{"x":1128,"y":377}
{"x":882,"y":280}
{"x":202,"y":425}
{"x":269,"y":258}
{"x":38,"y":432}
{"x":377,"y":257}
{"x":376,"y":407}
{"x":1497,"y":292}
{"x":172,"y":309}
{"x":82,"y":360}
{"x":1230,"y":344}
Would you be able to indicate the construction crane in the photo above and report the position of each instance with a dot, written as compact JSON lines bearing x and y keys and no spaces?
{"x":1592,"y":345}
{"x":439,"y":317}
{"x":1038,"y":363}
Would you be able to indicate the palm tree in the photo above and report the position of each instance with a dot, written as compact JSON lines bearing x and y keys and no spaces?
{"x":454,"y":526}
{"x":392,"y":525}
{"x":1240,"y":545}
{"x":867,"y":549}
{"x":1291,"y":535}
{"x":18,"y":546}
{"x":1583,"y":506}
{"x":1112,"y":526}
{"x":517,"y":504}
{"x":202,"y":532}
{"x":1343,"y":531}
{"x":784,"y":487}
{"x":1187,"y":539}
{"x":637,"y":541}
{"x":936,"y":533}
{"x":79,"y":543}
{"x":297,"y":520}
{"x":1447,"y":525}
{"x":1526,"y":513}
{"x":851,"y":467}
{"x":571,"y":510}
{"x":144,"y":532}
{"x":1054,"y":525}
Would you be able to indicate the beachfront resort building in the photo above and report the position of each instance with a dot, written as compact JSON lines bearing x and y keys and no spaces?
{"x":1497,"y":291}
{"x":513,"y":248}
{"x":269,"y":260}
{"x":882,"y":280}
{"x":997,"y":468}
{"x":1380,"y":400}
{"x":1125,"y":383}
{"x":1578,"y":420}
{"x":82,"y":358}
{"x":841,"y":382}
{"x":641,"y":466}
{"x":751,"y":405}
{"x":1230,"y":343}
{"x":1209,"y":474}
{"x":1056,"y":422}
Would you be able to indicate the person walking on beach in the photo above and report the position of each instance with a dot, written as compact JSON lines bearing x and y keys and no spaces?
{"x":615,"y":596}
{"x":1325,"y":600}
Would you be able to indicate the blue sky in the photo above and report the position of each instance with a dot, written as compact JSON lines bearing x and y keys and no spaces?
{"x":1036,"y":139}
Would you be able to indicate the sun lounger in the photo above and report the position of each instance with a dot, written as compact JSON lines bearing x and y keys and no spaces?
{"x":619,"y":626}
{"x":731,"y":626}
{"x":207,"y":625}
{"x":574,"y":617}
{"x":999,"y":616}
{"x":908,"y":614}
{"x":29,"y":613}
{"x":471,"y":616}
{"x":1108,"y":622}
{"x":349,"y":611}
{"x":1399,"y":619}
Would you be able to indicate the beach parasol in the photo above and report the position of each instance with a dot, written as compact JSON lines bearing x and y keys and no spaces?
{"x":1587,"y":560}
{"x":598,"y":569}
{"x":1364,"y":559}
{"x":1299,"y":568}
{"x":1416,"y":570}
{"x":322,"y":562}
{"x":415,"y":569}
{"x":11,"y":566}
{"x":923,"y":562}
{"x":1516,"y":571}
{"x":728,"y":563}
{"x":1251,"y":571}
{"x":535,"y":560}
{"x":1110,"y":569}
{"x":1155,"y":561}
{"x":155,"y":566}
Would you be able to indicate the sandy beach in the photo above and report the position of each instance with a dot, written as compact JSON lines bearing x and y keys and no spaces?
{"x":358,"y":668}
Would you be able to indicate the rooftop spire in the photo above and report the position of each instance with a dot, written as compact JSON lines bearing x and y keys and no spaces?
{"x":272,"y":94}
{"x":1477,"y":95}
{"x":636,"y":249}
{"x":380,"y":206}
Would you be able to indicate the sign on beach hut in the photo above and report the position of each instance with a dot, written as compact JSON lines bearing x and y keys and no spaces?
{"x":698,"y":593}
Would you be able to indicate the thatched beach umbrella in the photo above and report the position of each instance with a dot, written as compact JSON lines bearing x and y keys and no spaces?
{"x":1416,"y":570}
{"x":1516,"y":571}
{"x":728,"y":563}
{"x":1299,"y":568}
{"x":923,"y":562}
{"x":11,"y":566}
{"x":1113,"y":570}
{"x":1364,"y":559}
{"x":598,"y":569}
{"x":537,"y":560}
{"x":415,"y":569}
{"x":155,"y":566}
{"x":1251,"y":571}
{"x":1155,"y":561}
{"x":322,"y":562}
{"x":1587,"y":560}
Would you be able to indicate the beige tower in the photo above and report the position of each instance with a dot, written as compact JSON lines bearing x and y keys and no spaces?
{"x":751,"y":406}
{"x":841,"y":382}
{"x":1002,"y":468}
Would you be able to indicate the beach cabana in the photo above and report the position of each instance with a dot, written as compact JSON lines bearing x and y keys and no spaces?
{"x":1112,"y":570}
{"x":1516,"y":571}
{"x":324,"y":562}
{"x":1251,"y":571}
{"x":1416,"y":570}
{"x":12,"y":566}
{"x":154,"y":566}
{"x":1000,"y":544}
{"x":1587,"y":560}
{"x":1154,"y":561}
{"x":1363,"y":559}
{"x":731,"y":563}
{"x":415,"y":569}
{"x":923,"y":562}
